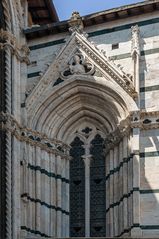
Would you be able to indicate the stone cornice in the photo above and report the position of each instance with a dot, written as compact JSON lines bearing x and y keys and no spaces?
{"x":35,"y":138}
{"x":110,"y":15}
{"x":144,"y":126}
{"x":145,"y":120}
{"x":32,"y":137}
{"x":140,"y":119}
{"x":144,"y":113}
{"x":8,"y":40}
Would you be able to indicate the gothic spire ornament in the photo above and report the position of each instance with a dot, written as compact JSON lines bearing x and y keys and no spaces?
{"x":135,"y":53}
{"x":135,"y":47}
{"x":76,"y":23}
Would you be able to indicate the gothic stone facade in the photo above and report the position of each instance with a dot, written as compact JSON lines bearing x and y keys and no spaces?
{"x":79,"y":124}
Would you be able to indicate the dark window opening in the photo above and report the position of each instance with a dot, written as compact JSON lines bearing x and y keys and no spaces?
{"x":115,"y":46}
{"x":77,"y":189}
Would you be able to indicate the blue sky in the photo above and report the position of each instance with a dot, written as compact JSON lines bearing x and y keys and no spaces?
{"x":66,"y":7}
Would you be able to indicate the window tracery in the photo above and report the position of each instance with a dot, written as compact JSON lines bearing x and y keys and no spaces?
{"x":87,"y":188}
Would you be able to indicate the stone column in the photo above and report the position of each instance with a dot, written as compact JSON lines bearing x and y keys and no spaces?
{"x":87,"y":159}
{"x":33,"y":194}
{"x":67,"y":197}
{"x":17,"y":156}
{"x":120,"y":187}
{"x":125,"y":182}
{"x":130,"y":183}
{"x":111,"y":188}
{"x":30,"y":184}
{"x":47,"y":195}
{"x":115,"y":191}
{"x":63,"y":204}
{"x":136,"y":231}
{"x":43,"y":192}
{"x":53,"y":193}
{"x":38,"y":189}
{"x":59,"y":186}
{"x":107,"y":195}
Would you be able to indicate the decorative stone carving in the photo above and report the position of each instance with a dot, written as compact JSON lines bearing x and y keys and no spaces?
{"x":78,"y":43}
{"x":32,"y":137}
{"x":145,"y":120}
{"x":76,"y":23}
{"x":135,"y":47}
{"x":115,"y":137}
{"x":76,"y":65}
{"x":79,"y":66}
{"x":8,"y":40}
{"x":135,"y":53}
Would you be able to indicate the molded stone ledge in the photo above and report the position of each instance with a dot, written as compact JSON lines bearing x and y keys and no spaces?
{"x":87,"y":237}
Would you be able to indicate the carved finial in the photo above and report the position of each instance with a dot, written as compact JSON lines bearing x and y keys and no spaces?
{"x":76,"y":23}
{"x":135,"y":40}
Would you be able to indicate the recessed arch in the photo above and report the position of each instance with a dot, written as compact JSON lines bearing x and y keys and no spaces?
{"x":62,"y":113}
{"x":76,"y":98}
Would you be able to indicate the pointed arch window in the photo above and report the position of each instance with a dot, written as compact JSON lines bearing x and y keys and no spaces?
{"x":87,"y":184}
{"x":77,"y":189}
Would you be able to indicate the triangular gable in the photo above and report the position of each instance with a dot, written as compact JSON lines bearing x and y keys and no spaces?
{"x":76,"y":44}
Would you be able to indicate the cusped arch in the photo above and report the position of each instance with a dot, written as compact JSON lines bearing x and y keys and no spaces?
{"x":80,"y":99}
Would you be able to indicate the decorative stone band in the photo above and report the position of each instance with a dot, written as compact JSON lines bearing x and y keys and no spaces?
{"x":140,"y":119}
{"x":144,"y":113}
{"x":145,"y":120}
{"x":117,"y":169}
{"x":142,"y":227}
{"x":8,"y":40}
{"x":117,"y":203}
{"x":34,"y":232}
{"x":34,"y":138}
{"x":36,"y":200}
{"x":48,"y":173}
